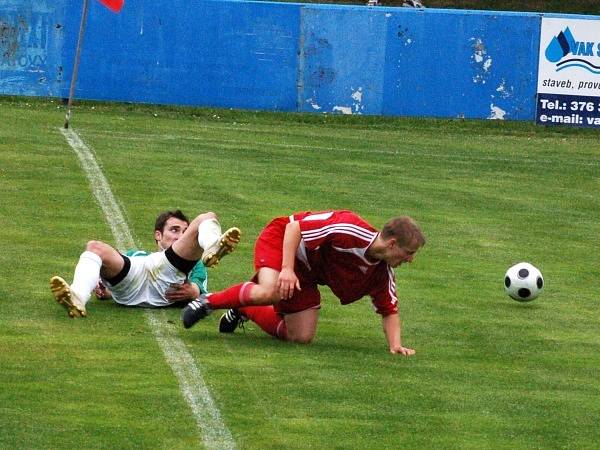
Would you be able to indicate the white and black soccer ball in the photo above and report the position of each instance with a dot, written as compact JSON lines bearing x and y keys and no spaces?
{"x":523,"y":282}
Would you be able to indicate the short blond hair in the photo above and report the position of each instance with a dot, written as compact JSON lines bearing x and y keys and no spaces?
{"x":405,"y":230}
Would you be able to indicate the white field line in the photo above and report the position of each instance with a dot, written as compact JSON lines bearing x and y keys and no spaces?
{"x":101,"y":190}
{"x":215,"y":434}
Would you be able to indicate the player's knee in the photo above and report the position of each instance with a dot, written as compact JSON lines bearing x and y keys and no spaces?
{"x":206,"y":216}
{"x":303,"y":340}
{"x":97,"y":247}
{"x":300,"y":338}
{"x":267,"y":294}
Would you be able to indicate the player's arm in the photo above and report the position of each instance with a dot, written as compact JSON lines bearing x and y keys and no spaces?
{"x":183,"y":292}
{"x":287,"y":280}
{"x":392,"y":330}
{"x":102,"y":292}
{"x":192,"y":288}
{"x":385,"y":302}
{"x":199,"y":279}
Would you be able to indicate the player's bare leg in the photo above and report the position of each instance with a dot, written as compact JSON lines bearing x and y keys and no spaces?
{"x":265,"y":292}
{"x":302,"y":326}
{"x":98,"y":257}
{"x":63,"y":295}
{"x":203,"y":240}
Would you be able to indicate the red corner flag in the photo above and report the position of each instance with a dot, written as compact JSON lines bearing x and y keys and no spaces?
{"x":114,"y":5}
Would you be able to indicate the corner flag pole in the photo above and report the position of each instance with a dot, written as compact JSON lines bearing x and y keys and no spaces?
{"x":84,"y":15}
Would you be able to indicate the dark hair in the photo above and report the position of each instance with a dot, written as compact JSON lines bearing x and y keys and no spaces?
{"x":405,"y":230}
{"x":162,"y":218}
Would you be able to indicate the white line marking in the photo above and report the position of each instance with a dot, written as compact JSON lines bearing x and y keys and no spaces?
{"x":101,"y":190}
{"x":215,"y":434}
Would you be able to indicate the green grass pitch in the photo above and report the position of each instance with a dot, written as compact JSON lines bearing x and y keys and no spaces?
{"x":489,"y":373}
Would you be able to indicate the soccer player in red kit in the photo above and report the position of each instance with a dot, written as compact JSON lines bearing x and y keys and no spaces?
{"x":295,"y":254}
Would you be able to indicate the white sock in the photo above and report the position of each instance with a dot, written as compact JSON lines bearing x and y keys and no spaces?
{"x":209,"y":232}
{"x":87,"y":275}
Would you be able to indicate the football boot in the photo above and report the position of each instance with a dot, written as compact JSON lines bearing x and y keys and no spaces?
{"x":194,"y":311}
{"x":63,"y":295}
{"x":232,"y":319}
{"x":224,"y":245}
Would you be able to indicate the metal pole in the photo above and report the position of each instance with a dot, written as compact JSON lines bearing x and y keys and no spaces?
{"x":76,"y":62}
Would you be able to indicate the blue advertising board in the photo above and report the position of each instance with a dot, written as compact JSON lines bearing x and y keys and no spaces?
{"x":331,"y":59}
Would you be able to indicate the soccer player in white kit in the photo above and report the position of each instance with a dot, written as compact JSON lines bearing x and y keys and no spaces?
{"x":147,"y":280}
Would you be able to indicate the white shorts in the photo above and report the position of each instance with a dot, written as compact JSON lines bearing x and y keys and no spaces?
{"x":147,"y":281}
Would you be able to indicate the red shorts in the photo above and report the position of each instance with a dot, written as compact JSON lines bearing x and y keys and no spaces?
{"x":268,"y":252}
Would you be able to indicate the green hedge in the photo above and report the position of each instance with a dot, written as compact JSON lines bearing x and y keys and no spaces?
{"x":559,"y":6}
{"x":556,"y":6}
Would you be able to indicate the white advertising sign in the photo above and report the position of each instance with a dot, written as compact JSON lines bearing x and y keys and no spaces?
{"x":569,"y":72}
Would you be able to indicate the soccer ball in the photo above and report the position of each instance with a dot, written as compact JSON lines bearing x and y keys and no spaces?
{"x":523,"y":282}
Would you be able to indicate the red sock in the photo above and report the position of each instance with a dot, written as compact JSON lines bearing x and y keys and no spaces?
{"x":266,"y":318}
{"x":232,"y":297}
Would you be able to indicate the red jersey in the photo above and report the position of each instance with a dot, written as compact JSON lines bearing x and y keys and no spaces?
{"x":333,"y":248}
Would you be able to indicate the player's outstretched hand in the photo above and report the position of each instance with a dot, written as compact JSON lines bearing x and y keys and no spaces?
{"x":182,"y":292}
{"x":286,"y":283}
{"x":405,"y":351}
{"x":102,"y":292}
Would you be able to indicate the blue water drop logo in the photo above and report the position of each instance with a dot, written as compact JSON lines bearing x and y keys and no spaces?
{"x":554,"y":52}
{"x":560,"y":46}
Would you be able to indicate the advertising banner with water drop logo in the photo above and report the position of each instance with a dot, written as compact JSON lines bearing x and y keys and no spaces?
{"x":568,"y":91}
